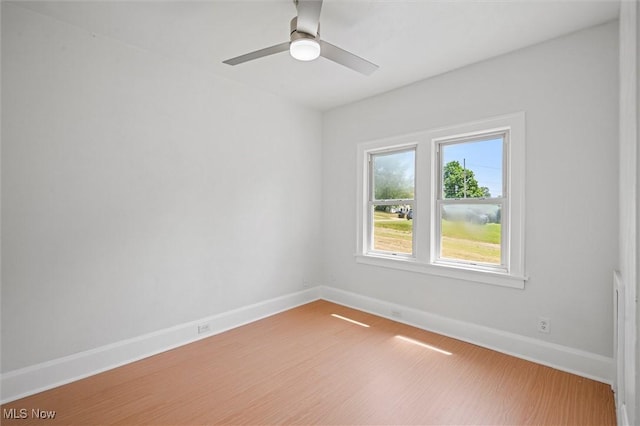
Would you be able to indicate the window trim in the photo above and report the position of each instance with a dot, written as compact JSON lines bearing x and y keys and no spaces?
{"x":426,"y":177}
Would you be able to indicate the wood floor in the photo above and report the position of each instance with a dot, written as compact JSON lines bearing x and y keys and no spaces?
{"x":308,"y":366}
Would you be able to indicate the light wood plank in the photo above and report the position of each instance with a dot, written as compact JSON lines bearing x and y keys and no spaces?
{"x":305,"y":366}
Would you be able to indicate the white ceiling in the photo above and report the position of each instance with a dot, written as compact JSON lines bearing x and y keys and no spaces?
{"x":409,"y":40}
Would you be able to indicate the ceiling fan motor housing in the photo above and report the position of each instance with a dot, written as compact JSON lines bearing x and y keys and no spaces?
{"x":303,"y":46}
{"x":296,"y":35}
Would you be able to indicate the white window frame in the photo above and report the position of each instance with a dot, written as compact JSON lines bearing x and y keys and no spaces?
{"x":373,"y":202}
{"x":425,"y":220}
{"x":503,"y":201}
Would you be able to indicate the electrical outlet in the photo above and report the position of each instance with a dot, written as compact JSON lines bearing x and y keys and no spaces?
{"x":396,"y":314}
{"x":203,"y":328}
{"x":305,"y":284}
{"x":544,"y":325}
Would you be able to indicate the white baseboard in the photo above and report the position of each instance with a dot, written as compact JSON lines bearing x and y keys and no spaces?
{"x":37,"y":378}
{"x":582,"y":363}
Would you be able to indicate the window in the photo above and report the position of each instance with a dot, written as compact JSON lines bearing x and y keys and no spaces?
{"x":470,"y":201}
{"x":391,"y":206}
{"x":446,"y":202}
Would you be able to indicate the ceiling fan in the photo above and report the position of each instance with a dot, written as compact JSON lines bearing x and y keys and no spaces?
{"x":305,"y":43}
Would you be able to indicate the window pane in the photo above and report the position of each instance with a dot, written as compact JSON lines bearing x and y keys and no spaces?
{"x":393,"y":175}
{"x":472,"y":169}
{"x":471,"y":232}
{"x":393,"y":229}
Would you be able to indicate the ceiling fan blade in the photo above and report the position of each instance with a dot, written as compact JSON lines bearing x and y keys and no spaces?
{"x":258,"y":54}
{"x":349,"y":60}
{"x":308,"y":16}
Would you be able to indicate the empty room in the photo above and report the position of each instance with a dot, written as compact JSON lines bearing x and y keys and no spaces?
{"x":319,"y":212}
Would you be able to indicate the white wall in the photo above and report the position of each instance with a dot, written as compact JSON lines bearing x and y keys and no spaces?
{"x":139,"y":193}
{"x":568,"y":88}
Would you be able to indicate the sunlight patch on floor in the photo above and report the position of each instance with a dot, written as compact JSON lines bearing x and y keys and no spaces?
{"x":424,"y":345}
{"x":361,"y":324}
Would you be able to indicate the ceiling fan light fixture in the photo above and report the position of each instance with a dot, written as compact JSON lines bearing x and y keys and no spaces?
{"x":304,"y":49}
{"x":305,"y":43}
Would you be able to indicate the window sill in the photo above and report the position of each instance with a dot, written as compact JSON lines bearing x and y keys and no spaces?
{"x":456,"y":272}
